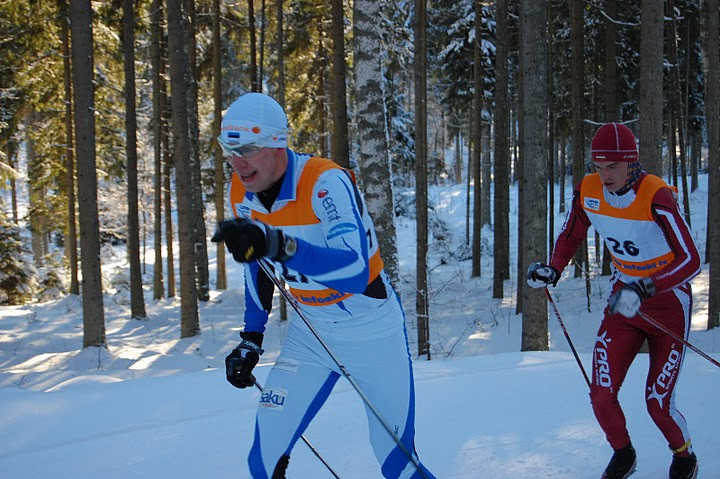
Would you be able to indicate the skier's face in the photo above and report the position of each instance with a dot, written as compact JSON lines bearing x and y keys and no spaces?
{"x":260,"y":169}
{"x":612,"y":173}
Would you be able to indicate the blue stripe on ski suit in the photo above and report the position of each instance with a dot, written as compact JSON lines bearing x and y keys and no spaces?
{"x":397,"y":461}
{"x":255,"y":460}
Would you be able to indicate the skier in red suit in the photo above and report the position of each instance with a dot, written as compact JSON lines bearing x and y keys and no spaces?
{"x":653,"y":257}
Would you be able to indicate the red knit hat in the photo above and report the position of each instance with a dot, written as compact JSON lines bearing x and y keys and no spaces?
{"x":614,"y":142}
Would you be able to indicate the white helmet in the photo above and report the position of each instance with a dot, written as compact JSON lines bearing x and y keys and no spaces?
{"x":254,"y":119}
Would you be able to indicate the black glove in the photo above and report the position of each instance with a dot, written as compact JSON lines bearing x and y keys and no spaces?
{"x":540,"y":275}
{"x":627,"y":299}
{"x":241,"y":361}
{"x":248,"y":240}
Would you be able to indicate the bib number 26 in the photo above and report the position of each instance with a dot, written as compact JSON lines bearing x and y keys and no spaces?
{"x":626,"y":248}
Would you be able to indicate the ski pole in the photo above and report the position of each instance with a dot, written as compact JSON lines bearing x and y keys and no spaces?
{"x":567,"y":336}
{"x":314,"y":451}
{"x":265,"y":265}
{"x":676,"y":337}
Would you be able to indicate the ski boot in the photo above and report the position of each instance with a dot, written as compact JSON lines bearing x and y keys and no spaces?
{"x":622,"y":464}
{"x":684,"y":467}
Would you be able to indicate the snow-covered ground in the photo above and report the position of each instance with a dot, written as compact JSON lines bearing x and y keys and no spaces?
{"x":156,"y":406}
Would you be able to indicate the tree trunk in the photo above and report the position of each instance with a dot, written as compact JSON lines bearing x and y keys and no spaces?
{"x":676,"y":99}
{"x":253,"y":48}
{"x":84,"y":99}
{"x":486,"y":173}
{"x":421,"y":199}
{"x":340,"y":137}
{"x":221,"y":271}
{"x":671,"y":137}
{"x":578,"y":108}
{"x":501,"y":154}
{"x":198,"y":215}
{"x":168,"y":162}
{"x":563,"y":165}
{"x":468,"y":189}
{"x":157,"y":59}
{"x":712,"y":112}
{"x":477,"y":146}
{"x":280,"y":52}
{"x":651,"y":86}
{"x":551,"y":151}
{"x":520,"y":166}
{"x":137,"y":298}
{"x":374,"y":155}
{"x":71,"y":236}
{"x":261,"y":61}
{"x":458,"y":157}
{"x":322,"y":95}
{"x":36,"y":213}
{"x":610,"y":87}
{"x":693,"y":71}
{"x":610,"y":70}
{"x":13,"y":184}
{"x":535,"y":138}
{"x":179,"y":80}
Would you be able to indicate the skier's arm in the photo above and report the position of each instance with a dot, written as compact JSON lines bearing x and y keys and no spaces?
{"x":258,"y":297}
{"x":572,"y":234}
{"x":686,"y":263}
{"x":342,"y":262}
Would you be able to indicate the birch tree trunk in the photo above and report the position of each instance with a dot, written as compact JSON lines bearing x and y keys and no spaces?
{"x":374,"y":155}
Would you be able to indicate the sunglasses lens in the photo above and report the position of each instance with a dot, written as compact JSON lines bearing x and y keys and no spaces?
{"x":245,"y":150}
{"x":237,"y":150}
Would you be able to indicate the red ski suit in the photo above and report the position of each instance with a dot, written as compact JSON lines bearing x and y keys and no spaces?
{"x":647,"y":237}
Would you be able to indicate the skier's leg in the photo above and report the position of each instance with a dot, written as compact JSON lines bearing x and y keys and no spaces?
{"x":666,"y":358}
{"x":293,"y":394}
{"x":384,"y":372}
{"x":616,"y":345}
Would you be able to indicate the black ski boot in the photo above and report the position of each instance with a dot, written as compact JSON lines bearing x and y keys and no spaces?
{"x":281,"y":467}
{"x":622,"y":464}
{"x":684,"y":467}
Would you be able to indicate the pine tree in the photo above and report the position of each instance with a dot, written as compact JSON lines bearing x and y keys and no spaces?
{"x":17,"y":274}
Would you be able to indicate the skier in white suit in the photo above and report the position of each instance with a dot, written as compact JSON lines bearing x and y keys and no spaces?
{"x":305,"y":215}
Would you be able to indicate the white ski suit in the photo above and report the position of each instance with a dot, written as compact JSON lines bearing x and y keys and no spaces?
{"x":337,"y":278}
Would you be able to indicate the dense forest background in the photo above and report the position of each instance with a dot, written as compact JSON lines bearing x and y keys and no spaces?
{"x":109,"y":110}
